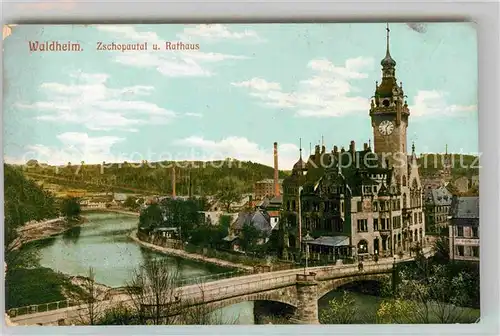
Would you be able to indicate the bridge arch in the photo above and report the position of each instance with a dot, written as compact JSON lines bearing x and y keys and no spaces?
{"x":327,"y":286}
{"x":286,"y":296}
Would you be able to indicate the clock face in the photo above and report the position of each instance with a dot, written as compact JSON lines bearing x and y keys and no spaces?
{"x":386,"y":127}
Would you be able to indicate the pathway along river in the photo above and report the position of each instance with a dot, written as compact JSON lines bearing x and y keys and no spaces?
{"x":103,"y":244}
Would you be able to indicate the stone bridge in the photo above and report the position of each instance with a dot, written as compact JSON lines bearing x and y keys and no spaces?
{"x":297,"y":288}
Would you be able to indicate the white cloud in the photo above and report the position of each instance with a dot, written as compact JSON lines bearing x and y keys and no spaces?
{"x":258,"y":84}
{"x":238,"y":148}
{"x":434,"y":103}
{"x":178,"y":63}
{"x":90,"y":102}
{"x":212,"y":32}
{"x":191,"y":114}
{"x":328,"y":93}
{"x":75,"y":147}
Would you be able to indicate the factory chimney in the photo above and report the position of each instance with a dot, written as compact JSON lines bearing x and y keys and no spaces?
{"x":276,"y":175}
{"x":173,"y":181}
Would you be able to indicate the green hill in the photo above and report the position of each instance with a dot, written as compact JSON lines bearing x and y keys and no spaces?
{"x":153,"y":177}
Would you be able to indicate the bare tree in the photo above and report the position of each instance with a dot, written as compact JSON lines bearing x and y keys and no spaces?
{"x":197,"y":312}
{"x":91,"y":296}
{"x":153,"y":291}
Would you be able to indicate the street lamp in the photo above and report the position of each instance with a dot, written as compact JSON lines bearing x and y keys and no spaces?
{"x":306,"y":240}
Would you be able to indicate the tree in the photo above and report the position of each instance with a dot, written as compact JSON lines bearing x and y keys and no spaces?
{"x":250,"y":236}
{"x":70,"y":208}
{"x":91,"y":297}
{"x":426,"y":294}
{"x":153,"y":292}
{"x":131,"y":203}
{"x":230,"y":191}
{"x":341,"y":310}
{"x":151,"y":217}
{"x":183,"y":214}
{"x":119,"y":315}
{"x":441,"y":249}
{"x":24,"y":201}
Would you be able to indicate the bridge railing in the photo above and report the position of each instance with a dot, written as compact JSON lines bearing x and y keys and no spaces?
{"x":42,"y":307}
{"x":234,"y":289}
{"x":209,"y":278}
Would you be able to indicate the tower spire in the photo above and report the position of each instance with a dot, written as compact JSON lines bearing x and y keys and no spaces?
{"x":446,"y":151}
{"x":300,"y":148}
{"x":387,"y":53}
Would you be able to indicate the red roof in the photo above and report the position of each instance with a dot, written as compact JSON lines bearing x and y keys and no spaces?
{"x":274,"y":213}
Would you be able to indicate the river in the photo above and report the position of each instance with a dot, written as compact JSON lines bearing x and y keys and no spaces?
{"x":103,"y":243}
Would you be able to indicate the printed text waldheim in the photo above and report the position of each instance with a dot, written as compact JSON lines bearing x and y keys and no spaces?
{"x":54,"y":46}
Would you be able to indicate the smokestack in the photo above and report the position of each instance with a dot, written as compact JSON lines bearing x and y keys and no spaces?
{"x":190,"y":186}
{"x":365,"y":146}
{"x":352,"y":147}
{"x":173,"y":181}
{"x":276,"y":176}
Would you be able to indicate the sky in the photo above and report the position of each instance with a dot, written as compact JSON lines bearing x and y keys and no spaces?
{"x":247,"y":87}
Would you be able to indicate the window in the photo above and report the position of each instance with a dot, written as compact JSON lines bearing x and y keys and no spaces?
{"x":475,"y":232}
{"x":360,"y":206}
{"x":460,"y":231}
{"x":338,"y":225}
{"x":375,"y":206}
{"x":460,"y":250}
{"x":362,"y":225}
{"x":375,"y":224}
{"x":415,"y":219}
{"x":363,"y":246}
{"x":475,"y":251}
{"x":342,"y":206}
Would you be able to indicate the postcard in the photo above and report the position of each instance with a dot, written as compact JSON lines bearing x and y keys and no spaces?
{"x":200,"y":174}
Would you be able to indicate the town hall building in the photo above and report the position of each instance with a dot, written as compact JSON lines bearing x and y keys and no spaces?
{"x":358,"y":202}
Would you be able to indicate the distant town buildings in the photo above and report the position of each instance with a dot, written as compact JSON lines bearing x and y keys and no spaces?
{"x":461,"y":184}
{"x":464,"y":228}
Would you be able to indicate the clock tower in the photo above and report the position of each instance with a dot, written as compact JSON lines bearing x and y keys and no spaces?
{"x":389,"y":115}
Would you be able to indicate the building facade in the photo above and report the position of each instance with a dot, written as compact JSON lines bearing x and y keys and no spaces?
{"x":437,"y":209}
{"x":358,"y":202}
{"x":464,"y":228}
{"x":265,"y":188}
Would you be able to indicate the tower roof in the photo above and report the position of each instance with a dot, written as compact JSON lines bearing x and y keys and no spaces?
{"x":388,"y":61}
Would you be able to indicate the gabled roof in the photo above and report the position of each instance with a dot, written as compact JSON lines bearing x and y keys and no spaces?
{"x":465,"y":207}
{"x":441,"y":196}
{"x":259,"y":219}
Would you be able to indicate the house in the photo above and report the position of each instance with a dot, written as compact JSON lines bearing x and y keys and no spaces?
{"x":461,"y":184}
{"x":464,"y":228}
{"x":257,"y":218}
{"x":437,"y":208}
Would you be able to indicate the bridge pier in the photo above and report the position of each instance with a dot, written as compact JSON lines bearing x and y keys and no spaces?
{"x":307,"y":299}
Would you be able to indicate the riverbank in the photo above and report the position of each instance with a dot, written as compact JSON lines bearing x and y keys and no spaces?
{"x":34,"y":231}
{"x":121,"y":211}
{"x":190,"y":256}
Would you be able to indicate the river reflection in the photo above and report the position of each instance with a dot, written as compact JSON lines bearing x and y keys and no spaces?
{"x":103,"y":244}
